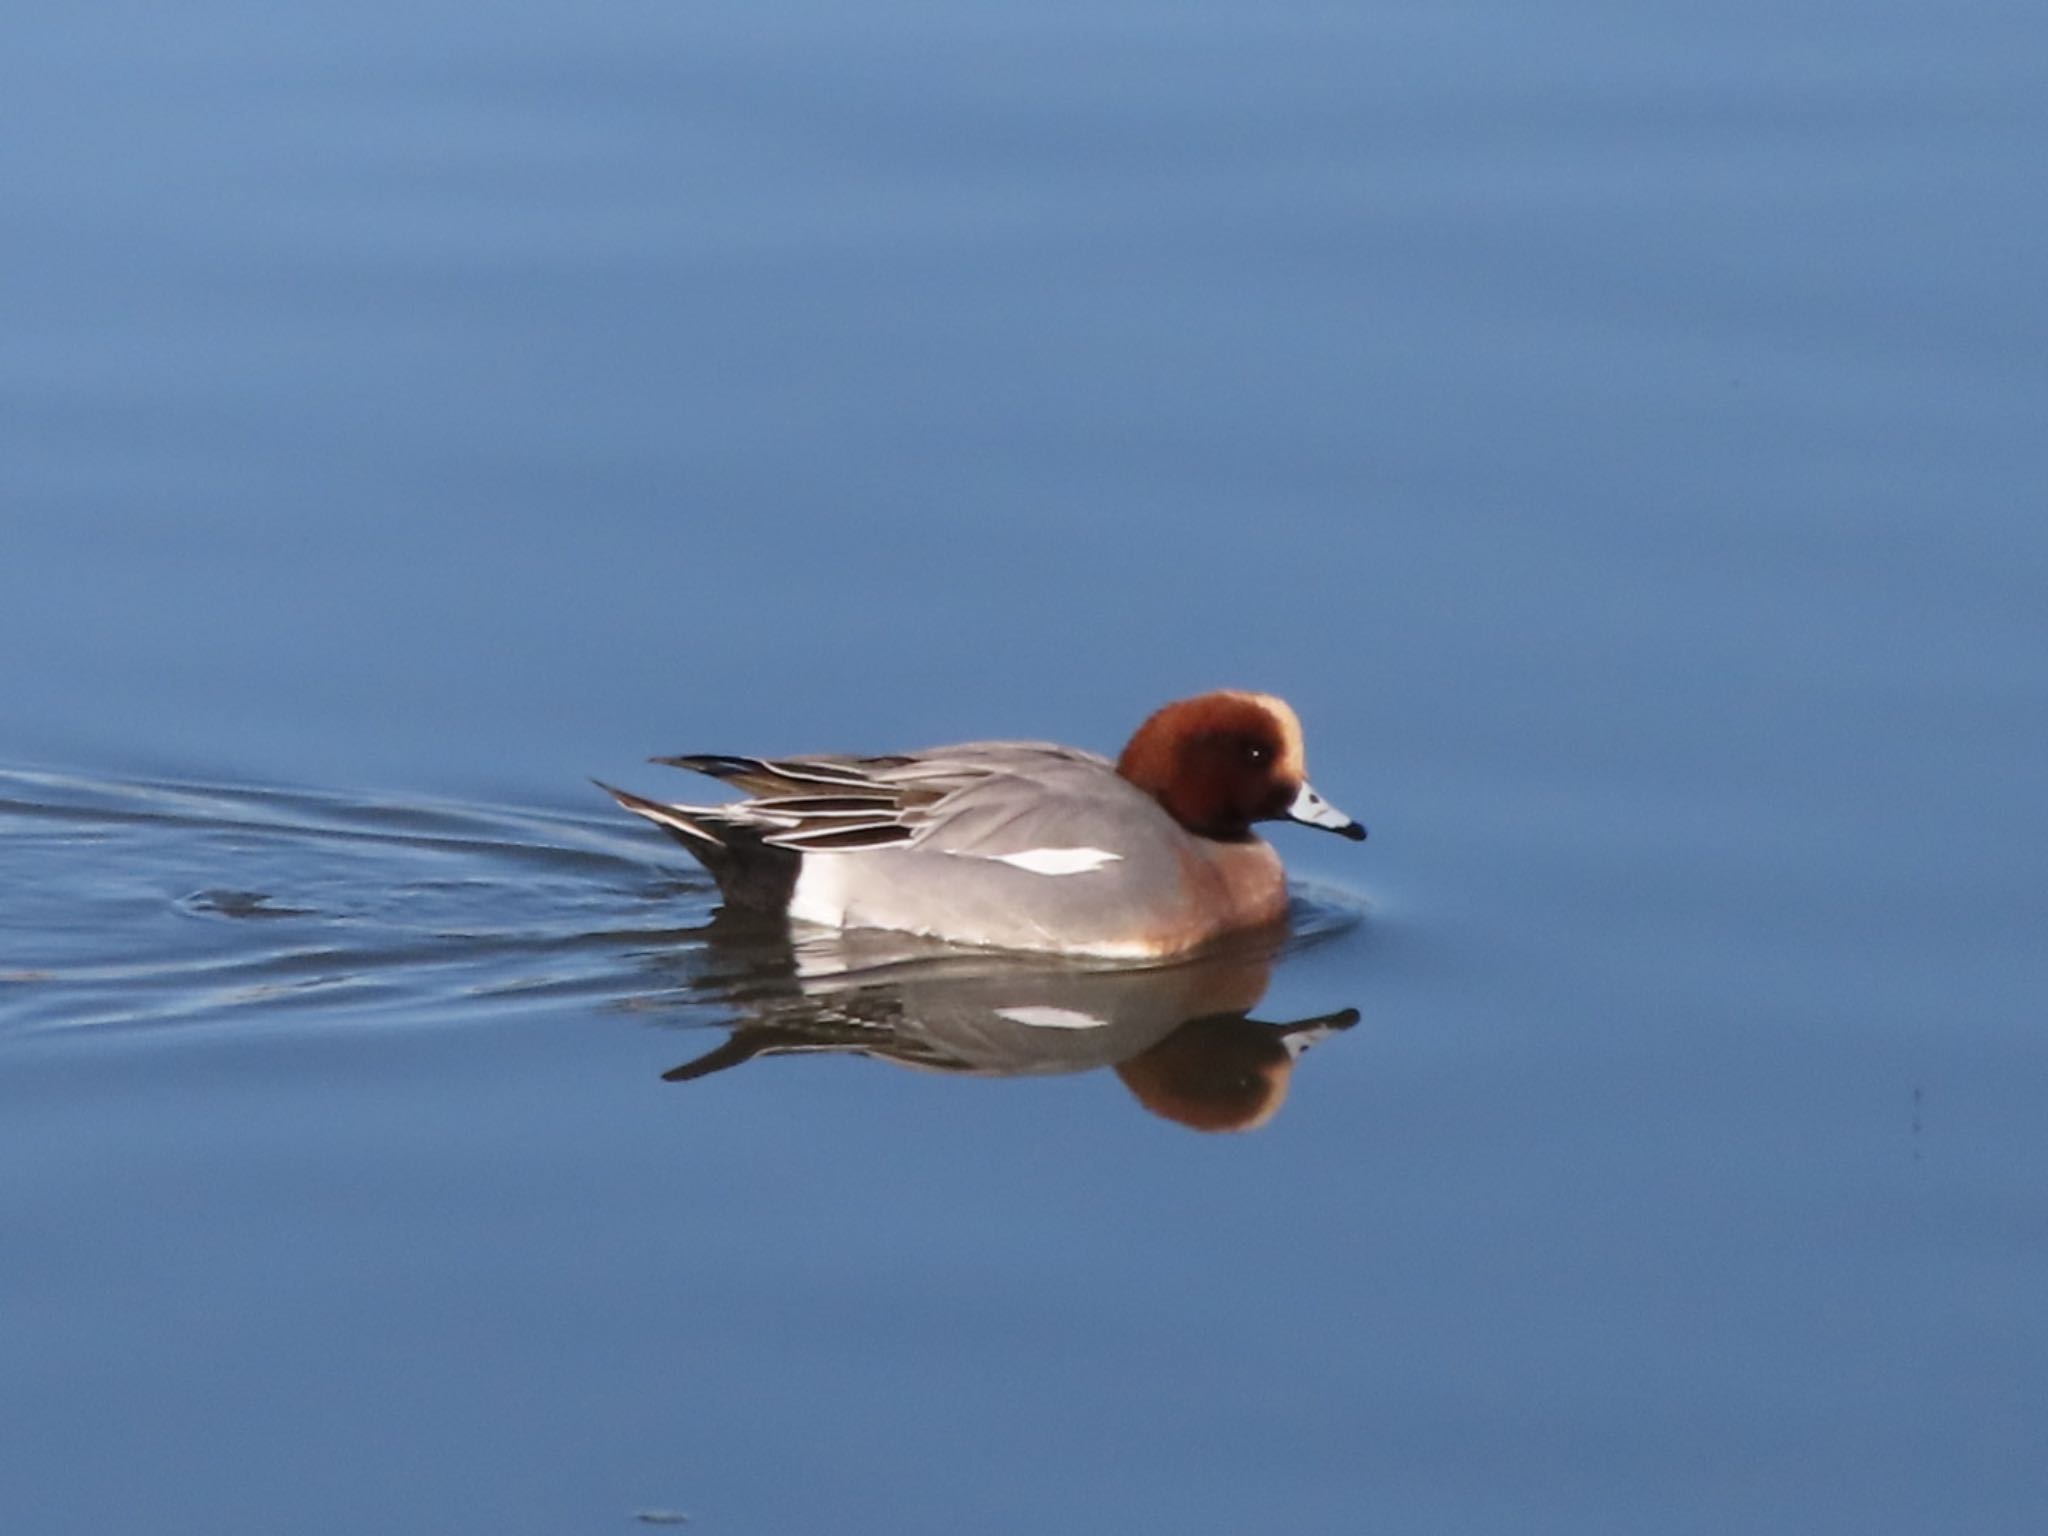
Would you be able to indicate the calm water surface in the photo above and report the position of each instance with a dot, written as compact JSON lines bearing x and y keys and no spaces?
{"x":1624,"y":438}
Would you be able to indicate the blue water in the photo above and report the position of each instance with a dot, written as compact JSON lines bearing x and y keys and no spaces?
{"x":1623,"y":435}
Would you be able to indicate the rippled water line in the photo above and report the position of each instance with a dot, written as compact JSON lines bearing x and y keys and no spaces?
{"x":143,"y":911}
{"x":104,"y":816}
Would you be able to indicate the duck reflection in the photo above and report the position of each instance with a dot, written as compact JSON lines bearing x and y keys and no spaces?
{"x":1179,"y":1035}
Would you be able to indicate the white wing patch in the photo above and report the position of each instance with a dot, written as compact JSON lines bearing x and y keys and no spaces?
{"x":1060,"y":861}
{"x":1052,"y":1018}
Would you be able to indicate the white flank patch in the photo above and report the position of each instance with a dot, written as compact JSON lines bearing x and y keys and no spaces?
{"x":1052,"y":1018}
{"x":820,"y":894}
{"x":1060,"y":861}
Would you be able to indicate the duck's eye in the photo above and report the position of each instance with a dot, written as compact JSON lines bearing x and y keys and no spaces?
{"x":1257,"y":753}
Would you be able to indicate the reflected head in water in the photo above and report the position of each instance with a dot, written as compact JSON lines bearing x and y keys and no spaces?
{"x":1226,"y":1072}
{"x":1180,"y":1035}
{"x":1021,"y":845}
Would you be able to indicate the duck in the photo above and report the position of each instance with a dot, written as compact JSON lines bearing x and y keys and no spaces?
{"x":1020,"y":845}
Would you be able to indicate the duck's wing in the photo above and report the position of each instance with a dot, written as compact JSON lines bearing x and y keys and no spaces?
{"x":817,"y":803}
{"x":840,"y":804}
{"x":770,"y":776}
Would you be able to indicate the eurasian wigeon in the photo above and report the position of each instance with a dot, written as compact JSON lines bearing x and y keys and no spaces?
{"x":1021,"y":844}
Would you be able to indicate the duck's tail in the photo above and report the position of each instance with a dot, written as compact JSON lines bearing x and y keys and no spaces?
{"x":750,"y":872}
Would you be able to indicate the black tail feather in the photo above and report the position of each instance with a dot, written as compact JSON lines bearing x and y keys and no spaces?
{"x":749,"y":871}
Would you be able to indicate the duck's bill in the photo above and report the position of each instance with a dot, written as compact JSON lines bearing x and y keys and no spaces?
{"x":1312,"y":810}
